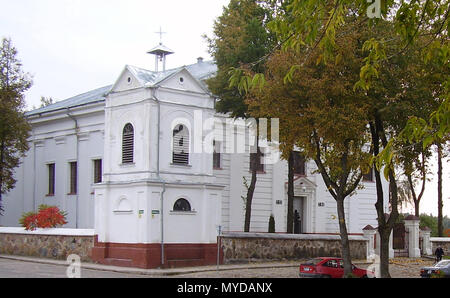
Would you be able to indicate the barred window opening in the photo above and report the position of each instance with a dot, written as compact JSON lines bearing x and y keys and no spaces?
{"x":73,"y":178}
{"x":259,"y":164}
{"x":182,"y":205}
{"x":128,"y":143}
{"x":299,"y":163}
{"x":216,"y":155}
{"x":368,"y":176}
{"x":180,"y":154}
{"x":97,"y":170}
{"x":51,"y":179}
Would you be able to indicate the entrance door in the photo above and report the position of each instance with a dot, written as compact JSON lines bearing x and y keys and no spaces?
{"x":298,"y":214}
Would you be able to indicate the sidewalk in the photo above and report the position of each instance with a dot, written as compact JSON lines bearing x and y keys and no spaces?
{"x":156,"y":272}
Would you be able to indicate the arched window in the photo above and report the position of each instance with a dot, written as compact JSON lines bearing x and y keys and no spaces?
{"x":182,"y":205}
{"x":180,"y":154}
{"x":128,"y":143}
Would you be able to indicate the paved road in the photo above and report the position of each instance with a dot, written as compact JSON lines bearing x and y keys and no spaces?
{"x":20,"y":269}
{"x":405,"y":268}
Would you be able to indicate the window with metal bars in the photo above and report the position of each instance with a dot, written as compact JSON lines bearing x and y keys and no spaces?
{"x":128,"y":143}
{"x":180,"y":154}
{"x":368,"y":176}
{"x":73,"y":178}
{"x":216,"y":155}
{"x":299,"y":164}
{"x":182,"y":205}
{"x":97,"y":170}
{"x":51,"y":179}
{"x":260,"y":163}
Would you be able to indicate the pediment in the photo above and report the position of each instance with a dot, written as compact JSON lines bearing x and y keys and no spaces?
{"x":303,"y":181}
{"x":183,"y":80}
{"x":127,"y":80}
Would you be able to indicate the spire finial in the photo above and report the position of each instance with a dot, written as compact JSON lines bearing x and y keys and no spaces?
{"x":160,"y":34}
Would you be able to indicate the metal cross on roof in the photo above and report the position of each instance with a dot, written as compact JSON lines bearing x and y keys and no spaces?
{"x":160,"y":35}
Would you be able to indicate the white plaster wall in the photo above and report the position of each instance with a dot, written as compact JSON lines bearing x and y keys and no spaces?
{"x":183,"y":81}
{"x":198,"y":226}
{"x":199,"y":169}
{"x":56,"y":142}
{"x":125,"y":214}
{"x":139,"y":115}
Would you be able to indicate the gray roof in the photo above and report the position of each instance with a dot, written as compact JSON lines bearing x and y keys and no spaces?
{"x":79,"y":100}
{"x":201,"y":71}
{"x":151,"y":78}
{"x":161,"y":49}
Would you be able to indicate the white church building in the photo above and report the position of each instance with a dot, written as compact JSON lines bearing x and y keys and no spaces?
{"x":125,"y":160}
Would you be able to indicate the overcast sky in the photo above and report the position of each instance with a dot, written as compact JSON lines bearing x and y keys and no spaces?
{"x":73,"y":46}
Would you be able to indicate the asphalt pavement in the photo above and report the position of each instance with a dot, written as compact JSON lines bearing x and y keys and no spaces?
{"x":30,"y":267}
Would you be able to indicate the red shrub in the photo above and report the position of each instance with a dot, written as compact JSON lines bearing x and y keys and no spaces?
{"x":47,"y":217}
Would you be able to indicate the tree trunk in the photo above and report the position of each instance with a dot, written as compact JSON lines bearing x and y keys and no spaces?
{"x":290,"y":206}
{"x":384,"y":252}
{"x":254,"y":159}
{"x":383,"y":228}
{"x":2,"y":149}
{"x":417,"y":198}
{"x":413,"y":193}
{"x":345,"y":244}
{"x":440,"y":203}
{"x":392,"y":218}
{"x":416,"y":209}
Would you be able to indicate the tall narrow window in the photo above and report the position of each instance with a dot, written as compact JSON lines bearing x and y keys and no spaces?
{"x":368,"y":176}
{"x":128,"y":143}
{"x":259,"y":164}
{"x":299,"y":164}
{"x":73,"y":178}
{"x":51,"y":179}
{"x":216,"y":155}
{"x":180,"y":153}
{"x":97,"y":170}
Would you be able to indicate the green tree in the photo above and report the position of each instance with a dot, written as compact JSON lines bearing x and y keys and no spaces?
{"x":14,"y":128}
{"x":240,"y":37}
{"x":404,"y":193}
{"x":45,"y":101}
{"x":308,"y":25}
{"x":430,"y":222}
{"x":322,"y":114}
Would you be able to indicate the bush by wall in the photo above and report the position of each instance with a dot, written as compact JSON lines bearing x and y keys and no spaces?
{"x":46,"y":217}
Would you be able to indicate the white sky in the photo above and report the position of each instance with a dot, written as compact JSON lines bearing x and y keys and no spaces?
{"x":73,"y":46}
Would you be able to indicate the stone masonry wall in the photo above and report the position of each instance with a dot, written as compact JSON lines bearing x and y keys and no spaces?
{"x":444,"y":242}
{"x":239,"y":247}
{"x":47,"y":246}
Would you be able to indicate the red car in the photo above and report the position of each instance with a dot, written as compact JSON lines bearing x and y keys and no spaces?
{"x":327,"y":267}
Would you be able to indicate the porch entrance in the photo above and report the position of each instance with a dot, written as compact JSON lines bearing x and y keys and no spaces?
{"x":299,"y":215}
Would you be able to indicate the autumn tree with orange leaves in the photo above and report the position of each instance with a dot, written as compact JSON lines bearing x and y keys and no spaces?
{"x":321,"y":114}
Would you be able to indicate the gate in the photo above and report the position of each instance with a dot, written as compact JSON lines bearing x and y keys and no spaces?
{"x":400,"y":241}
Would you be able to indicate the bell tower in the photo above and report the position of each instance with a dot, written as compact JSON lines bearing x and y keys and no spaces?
{"x":160,"y":52}
{"x":158,"y":204}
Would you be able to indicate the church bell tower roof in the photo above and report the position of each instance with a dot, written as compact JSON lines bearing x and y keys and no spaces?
{"x":160,"y":50}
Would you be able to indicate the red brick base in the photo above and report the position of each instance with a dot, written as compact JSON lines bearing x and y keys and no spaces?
{"x":148,"y":256}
